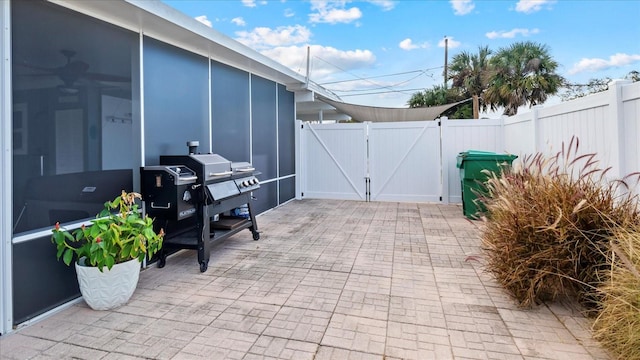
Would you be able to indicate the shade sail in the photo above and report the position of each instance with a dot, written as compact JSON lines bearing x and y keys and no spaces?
{"x":384,"y":114}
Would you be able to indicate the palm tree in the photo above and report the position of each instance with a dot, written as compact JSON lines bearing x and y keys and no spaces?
{"x":471,"y":73}
{"x":524,"y":74}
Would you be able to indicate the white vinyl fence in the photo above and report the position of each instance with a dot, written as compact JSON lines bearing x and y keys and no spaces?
{"x":416,"y":161}
{"x":606,"y":123}
{"x":396,"y":161}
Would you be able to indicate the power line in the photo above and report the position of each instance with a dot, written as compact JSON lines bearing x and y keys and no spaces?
{"x":358,"y":77}
{"x":385,"y":87}
{"x":348,"y":72}
{"x":384,"y":92}
{"x":380,"y":76}
{"x":379,"y":86}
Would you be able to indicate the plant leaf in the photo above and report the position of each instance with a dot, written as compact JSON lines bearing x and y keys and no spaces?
{"x":68,"y":256}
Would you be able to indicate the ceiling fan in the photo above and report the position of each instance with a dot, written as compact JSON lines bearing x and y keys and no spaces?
{"x":72,"y":71}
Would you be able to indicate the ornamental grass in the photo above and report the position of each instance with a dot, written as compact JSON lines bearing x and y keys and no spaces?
{"x":617,"y":325}
{"x":548,"y":224}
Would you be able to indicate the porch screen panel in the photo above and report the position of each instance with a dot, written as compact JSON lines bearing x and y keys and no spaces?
{"x":41,"y":282}
{"x":230,"y":104}
{"x":265,"y":198}
{"x":58,"y":130}
{"x":287,"y":189}
{"x":176,"y":100}
{"x":60,"y":142}
{"x":264,"y":130}
{"x":286,"y":131}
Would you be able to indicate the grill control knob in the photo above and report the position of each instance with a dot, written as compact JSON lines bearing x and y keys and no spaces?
{"x":254,"y":181}
{"x":245,"y":183}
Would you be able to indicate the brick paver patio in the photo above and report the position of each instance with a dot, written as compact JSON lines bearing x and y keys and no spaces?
{"x":328,"y":280}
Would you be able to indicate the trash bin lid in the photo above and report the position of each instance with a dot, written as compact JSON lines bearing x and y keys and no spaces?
{"x":476,"y":155}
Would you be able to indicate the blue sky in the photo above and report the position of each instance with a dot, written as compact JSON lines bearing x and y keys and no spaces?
{"x":379,"y":52}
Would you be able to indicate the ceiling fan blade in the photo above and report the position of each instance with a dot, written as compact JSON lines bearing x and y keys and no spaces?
{"x":106,"y":77}
{"x":72,"y":71}
{"x":48,"y":70}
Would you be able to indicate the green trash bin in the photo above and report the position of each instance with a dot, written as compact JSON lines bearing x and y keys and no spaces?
{"x":471,"y":164}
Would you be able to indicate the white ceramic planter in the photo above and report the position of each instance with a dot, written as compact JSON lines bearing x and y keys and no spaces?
{"x":110,"y":288}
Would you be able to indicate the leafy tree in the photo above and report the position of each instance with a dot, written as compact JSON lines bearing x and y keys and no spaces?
{"x":574,"y":91}
{"x":471,"y":73}
{"x":439,"y":95}
{"x":524,"y":75}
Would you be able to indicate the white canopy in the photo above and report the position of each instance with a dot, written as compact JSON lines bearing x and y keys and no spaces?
{"x":384,"y":114}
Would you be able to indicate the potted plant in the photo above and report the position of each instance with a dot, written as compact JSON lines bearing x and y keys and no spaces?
{"x":108,"y":253}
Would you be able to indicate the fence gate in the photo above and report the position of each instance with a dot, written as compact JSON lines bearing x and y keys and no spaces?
{"x":366,"y":161}
{"x":404,"y":161}
{"x":334,"y":161}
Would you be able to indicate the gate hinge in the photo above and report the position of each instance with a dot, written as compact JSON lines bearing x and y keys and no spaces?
{"x":440,"y":198}
{"x":439,"y":123}
{"x":301,"y":126}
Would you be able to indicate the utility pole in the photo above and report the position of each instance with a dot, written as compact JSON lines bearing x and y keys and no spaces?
{"x":446,"y":50}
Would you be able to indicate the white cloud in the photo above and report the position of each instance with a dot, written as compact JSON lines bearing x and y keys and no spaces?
{"x":249,"y":3}
{"x":451,"y":44}
{"x":289,"y":13}
{"x":511,"y":34}
{"x":325,"y":60}
{"x":531,"y":6}
{"x":333,"y":12}
{"x":386,"y":5}
{"x":596,"y":64}
{"x":462,"y":7}
{"x":203,"y":19}
{"x":238,"y":21}
{"x":263,"y":37}
{"x":407,"y":44}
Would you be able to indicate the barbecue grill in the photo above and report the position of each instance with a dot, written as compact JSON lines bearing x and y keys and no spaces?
{"x":193,"y":198}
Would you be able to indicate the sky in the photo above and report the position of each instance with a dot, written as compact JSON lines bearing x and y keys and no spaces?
{"x":380,"y":52}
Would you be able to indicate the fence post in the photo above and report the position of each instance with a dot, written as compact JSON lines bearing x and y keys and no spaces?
{"x":444,"y":162}
{"x":535,"y":123}
{"x":502,"y":135}
{"x":299,"y":152}
{"x":616,"y":114}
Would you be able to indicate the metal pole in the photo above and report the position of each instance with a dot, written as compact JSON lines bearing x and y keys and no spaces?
{"x":446,"y":49}
{"x":308,"y":57}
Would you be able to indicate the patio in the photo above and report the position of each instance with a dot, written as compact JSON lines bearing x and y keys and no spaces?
{"x":329,"y":279}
